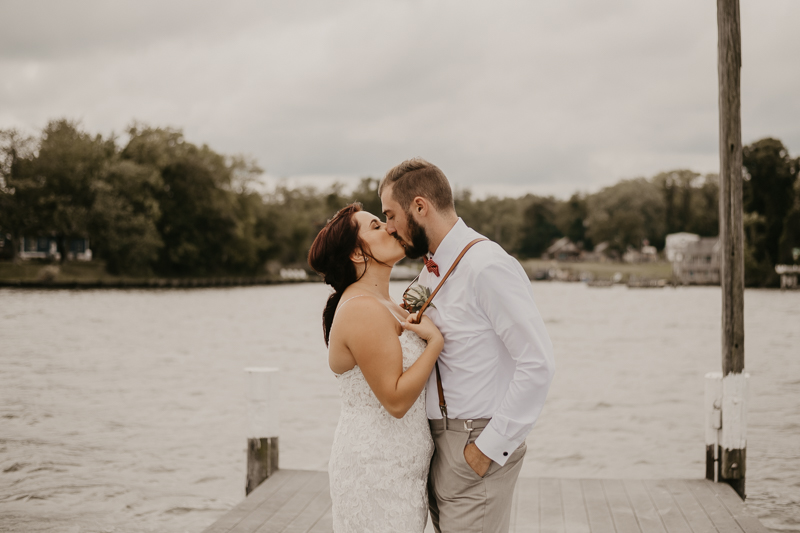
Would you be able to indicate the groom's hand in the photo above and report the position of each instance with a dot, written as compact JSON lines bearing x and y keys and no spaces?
{"x":476,"y":460}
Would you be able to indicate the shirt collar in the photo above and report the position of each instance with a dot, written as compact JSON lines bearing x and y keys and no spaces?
{"x":451,"y":245}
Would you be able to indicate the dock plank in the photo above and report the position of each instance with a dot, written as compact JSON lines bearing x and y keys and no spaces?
{"x":646,"y":514}
{"x":666,"y":507}
{"x":294,"y":506}
{"x":735,"y":506}
{"x":324,"y":524}
{"x":575,"y":518}
{"x":597,"y":509}
{"x":717,"y":512}
{"x":264,"y":491}
{"x":695,"y":515}
{"x":621,"y":510}
{"x":551,"y":510}
{"x":527,"y":505}
{"x":316,"y":508}
{"x":298,"y":501}
{"x":268,"y":507}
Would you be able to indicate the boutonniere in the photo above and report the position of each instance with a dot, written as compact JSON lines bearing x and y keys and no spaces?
{"x":415,"y":297}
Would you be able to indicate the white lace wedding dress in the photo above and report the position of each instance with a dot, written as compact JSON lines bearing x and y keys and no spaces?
{"x":379,"y":464}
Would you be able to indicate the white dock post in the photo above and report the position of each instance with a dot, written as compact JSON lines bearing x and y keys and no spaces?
{"x":725,"y":408}
{"x":263,"y":424}
{"x":733,"y":443}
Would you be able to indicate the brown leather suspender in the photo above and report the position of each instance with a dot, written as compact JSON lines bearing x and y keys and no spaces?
{"x":442,"y":403}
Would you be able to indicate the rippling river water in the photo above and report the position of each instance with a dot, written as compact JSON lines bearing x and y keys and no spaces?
{"x":123,"y":411}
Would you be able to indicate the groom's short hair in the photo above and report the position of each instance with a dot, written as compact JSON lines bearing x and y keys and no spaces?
{"x":417,"y":177}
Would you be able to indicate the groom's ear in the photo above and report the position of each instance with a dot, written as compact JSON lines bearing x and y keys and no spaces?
{"x":421,"y":206}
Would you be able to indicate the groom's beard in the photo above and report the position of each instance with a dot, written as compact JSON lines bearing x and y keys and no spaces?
{"x":419,"y":239}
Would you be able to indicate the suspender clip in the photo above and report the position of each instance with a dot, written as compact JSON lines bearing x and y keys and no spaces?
{"x":468,"y":427}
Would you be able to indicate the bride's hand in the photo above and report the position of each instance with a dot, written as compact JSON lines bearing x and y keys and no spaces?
{"x":426,"y":329}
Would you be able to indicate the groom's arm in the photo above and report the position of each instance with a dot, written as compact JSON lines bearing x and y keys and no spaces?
{"x":504,"y":294}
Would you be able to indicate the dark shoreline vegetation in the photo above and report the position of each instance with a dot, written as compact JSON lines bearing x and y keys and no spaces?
{"x":159,"y":209}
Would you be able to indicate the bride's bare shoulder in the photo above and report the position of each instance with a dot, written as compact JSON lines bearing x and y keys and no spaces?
{"x":362,"y":313}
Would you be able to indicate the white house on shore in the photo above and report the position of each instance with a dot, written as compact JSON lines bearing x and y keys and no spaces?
{"x":789,"y":275}
{"x":695,"y":260}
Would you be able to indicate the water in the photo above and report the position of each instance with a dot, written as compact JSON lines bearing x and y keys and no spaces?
{"x":123,"y":411}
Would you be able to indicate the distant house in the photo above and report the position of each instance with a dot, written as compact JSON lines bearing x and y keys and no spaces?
{"x":789,"y":275}
{"x":47,"y":248}
{"x":562,"y":250}
{"x":676,"y":243}
{"x":602,"y":252}
{"x":696,"y":261}
{"x":647,"y":254}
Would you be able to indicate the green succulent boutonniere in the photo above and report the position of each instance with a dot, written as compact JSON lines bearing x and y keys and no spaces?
{"x":415,"y":297}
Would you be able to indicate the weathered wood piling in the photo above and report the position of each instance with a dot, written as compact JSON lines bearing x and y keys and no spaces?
{"x":263,"y":425}
{"x":729,"y":465}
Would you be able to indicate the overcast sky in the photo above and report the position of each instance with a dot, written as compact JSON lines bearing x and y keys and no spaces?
{"x":506,"y":97}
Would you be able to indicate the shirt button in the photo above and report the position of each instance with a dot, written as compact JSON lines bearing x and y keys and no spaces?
{"x":505,"y":454}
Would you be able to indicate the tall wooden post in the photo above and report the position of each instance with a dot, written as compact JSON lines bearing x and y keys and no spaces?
{"x":263,"y":419}
{"x":734,"y":384}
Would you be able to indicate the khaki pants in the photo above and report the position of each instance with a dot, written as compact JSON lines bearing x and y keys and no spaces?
{"x":460,"y":500}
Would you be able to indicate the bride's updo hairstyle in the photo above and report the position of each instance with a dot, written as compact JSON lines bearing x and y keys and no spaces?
{"x":330,"y":257}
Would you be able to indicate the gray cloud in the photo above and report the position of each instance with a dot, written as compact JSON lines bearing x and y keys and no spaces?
{"x":504,"y":96}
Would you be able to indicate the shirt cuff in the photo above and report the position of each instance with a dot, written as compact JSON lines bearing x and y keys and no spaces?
{"x":495,"y":446}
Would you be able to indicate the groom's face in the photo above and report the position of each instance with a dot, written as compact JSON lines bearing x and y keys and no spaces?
{"x":401,"y":225}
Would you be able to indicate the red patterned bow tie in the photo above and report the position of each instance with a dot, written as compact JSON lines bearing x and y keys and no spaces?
{"x":432,"y":266}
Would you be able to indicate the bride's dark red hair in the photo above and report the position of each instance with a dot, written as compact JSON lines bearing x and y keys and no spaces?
{"x":330,"y":256}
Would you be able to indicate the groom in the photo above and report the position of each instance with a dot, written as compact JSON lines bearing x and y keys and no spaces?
{"x":497,"y":362}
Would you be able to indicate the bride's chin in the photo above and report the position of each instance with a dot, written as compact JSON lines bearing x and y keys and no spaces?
{"x":397,"y":258}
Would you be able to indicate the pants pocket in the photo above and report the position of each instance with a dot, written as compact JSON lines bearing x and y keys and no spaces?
{"x":469,"y":439}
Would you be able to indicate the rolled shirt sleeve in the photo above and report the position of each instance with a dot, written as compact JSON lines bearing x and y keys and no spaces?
{"x":505,"y":295}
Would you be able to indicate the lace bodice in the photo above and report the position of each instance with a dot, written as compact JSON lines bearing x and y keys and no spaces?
{"x":379,"y":464}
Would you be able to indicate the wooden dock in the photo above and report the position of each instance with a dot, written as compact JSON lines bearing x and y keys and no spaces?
{"x":298,"y":501}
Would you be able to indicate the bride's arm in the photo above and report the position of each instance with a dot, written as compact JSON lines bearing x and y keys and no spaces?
{"x":370,"y":333}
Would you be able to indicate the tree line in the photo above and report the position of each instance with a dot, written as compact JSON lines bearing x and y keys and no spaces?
{"x":161,"y":205}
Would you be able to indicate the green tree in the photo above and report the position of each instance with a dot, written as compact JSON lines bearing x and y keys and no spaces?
{"x":758,"y":270}
{"x":570,"y":217}
{"x":704,"y":208}
{"x":367,"y":194}
{"x":19,"y":188}
{"x":68,"y":163}
{"x":293,"y":217}
{"x":678,"y":191}
{"x":539,"y":226}
{"x":789,"y":244}
{"x":500,"y":219}
{"x":768,"y":191}
{"x":627,"y":213}
{"x":209,"y":220}
{"x":197,"y":220}
{"x":123,"y":218}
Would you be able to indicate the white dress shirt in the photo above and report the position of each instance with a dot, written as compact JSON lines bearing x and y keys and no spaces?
{"x":497,"y":360}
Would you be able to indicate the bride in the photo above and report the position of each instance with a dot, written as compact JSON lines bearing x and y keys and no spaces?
{"x":382,"y":446}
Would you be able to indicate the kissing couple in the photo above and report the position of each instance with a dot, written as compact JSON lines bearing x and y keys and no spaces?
{"x":435,"y":407}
